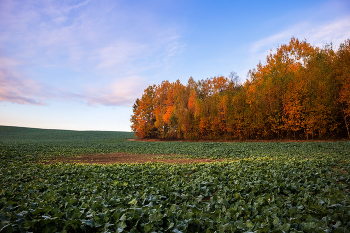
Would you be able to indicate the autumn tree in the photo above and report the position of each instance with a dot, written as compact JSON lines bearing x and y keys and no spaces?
{"x":342,"y":73}
{"x":144,"y":118}
{"x":300,"y":91}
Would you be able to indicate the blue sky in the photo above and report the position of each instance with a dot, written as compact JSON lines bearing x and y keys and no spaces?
{"x":81,"y":64}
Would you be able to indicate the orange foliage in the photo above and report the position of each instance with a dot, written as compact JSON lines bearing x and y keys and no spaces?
{"x":300,"y":92}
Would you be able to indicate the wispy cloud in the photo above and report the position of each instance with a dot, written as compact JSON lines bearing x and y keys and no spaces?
{"x":102,"y":42}
{"x":18,"y":88}
{"x":336,"y":32}
{"x":15,"y":88}
{"x":317,"y":34}
{"x":122,"y":92}
{"x":120,"y":53}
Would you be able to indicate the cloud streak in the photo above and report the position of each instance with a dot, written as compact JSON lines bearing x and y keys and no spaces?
{"x":16,"y":88}
{"x":336,"y":31}
{"x":317,"y":34}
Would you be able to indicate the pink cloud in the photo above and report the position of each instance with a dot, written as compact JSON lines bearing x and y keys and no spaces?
{"x":15,"y":88}
{"x":120,"y":93}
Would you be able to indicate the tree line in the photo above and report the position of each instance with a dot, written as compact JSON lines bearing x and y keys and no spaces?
{"x":301,"y":92}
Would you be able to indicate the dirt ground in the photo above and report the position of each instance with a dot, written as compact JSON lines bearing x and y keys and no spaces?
{"x":142,"y":158}
{"x":127,"y":158}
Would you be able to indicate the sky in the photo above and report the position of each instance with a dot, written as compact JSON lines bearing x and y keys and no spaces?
{"x":80,"y":65}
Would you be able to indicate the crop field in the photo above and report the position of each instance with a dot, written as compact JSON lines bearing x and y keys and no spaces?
{"x":255,"y":187}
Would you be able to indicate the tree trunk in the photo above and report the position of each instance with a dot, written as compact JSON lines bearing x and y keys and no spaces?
{"x":346,"y":123}
{"x":347,"y":127}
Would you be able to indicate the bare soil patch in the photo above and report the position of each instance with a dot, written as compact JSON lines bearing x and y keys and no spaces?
{"x":126,"y":158}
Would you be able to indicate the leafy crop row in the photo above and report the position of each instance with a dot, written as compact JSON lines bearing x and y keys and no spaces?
{"x":263,"y":187}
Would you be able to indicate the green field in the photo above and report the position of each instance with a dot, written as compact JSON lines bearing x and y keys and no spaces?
{"x":260,"y":187}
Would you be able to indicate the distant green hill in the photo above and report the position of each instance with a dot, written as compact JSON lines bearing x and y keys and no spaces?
{"x":24,"y":133}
